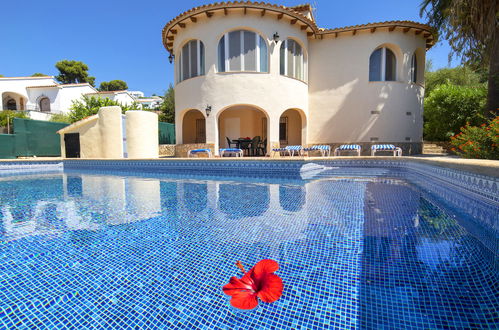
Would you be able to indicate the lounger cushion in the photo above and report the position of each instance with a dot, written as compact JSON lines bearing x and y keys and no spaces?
{"x":390,"y":147}
{"x":349,"y":147}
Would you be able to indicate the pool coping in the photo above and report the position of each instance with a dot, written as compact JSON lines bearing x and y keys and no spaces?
{"x":476,"y":166}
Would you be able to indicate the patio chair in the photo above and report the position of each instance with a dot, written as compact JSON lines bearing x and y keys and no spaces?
{"x":348,"y":147}
{"x":324,"y":149}
{"x":229,"y":143}
{"x":386,"y":147}
{"x":232,"y":151}
{"x":193,"y":152}
{"x":254,"y":145}
{"x":245,"y":145}
{"x":262,"y":146}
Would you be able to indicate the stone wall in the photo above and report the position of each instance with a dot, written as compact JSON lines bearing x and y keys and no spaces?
{"x":166,"y":150}
{"x":182,"y":149}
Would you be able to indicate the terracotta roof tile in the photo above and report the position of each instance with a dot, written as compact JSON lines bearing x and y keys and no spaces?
{"x":296,"y":12}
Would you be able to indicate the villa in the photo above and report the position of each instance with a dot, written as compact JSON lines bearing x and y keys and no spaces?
{"x":41,"y":97}
{"x":245,"y":69}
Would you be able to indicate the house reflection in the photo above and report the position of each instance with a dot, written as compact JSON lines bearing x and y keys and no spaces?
{"x":243,"y":200}
{"x":291,"y":198}
{"x":83,"y":202}
{"x":196,"y":196}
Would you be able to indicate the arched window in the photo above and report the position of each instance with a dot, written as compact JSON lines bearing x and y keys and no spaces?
{"x":191,"y":61}
{"x":44,"y":104}
{"x":292,"y":62}
{"x":382,"y":65}
{"x":414,"y":68}
{"x":242,"y":51}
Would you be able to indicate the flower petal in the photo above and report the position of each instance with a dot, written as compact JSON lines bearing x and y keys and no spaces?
{"x":265,"y":266}
{"x":236,"y":285}
{"x":271,"y":287}
{"x":244,"y":300}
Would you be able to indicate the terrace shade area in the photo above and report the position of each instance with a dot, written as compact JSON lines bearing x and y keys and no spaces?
{"x":241,"y":121}
{"x":292,"y":128}
{"x":193,"y":127}
{"x":13,"y":101}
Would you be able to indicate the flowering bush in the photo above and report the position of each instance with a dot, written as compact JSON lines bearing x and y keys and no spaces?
{"x":478,"y":141}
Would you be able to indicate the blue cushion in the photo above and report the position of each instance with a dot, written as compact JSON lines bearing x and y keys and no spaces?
{"x":231,"y":150}
{"x":383,"y":147}
{"x":349,"y":147}
{"x":195,"y":151}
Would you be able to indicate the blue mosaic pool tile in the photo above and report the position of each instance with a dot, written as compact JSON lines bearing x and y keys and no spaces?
{"x":359,"y":247}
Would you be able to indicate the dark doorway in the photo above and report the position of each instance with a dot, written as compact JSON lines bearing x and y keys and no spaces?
{"x":72,"y":144}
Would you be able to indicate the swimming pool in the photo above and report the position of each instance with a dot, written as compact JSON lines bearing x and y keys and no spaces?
{"x":363,"y":245}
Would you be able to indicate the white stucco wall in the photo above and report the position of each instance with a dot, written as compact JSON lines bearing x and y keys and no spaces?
{"x":269,"y":92}
{"x":342,"y":97}
{"x":32,"y":90}
{"x":142,"y":134}
{"x":337,"y":102}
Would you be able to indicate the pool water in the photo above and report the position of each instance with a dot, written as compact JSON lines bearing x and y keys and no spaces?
{"x":356,"y":249}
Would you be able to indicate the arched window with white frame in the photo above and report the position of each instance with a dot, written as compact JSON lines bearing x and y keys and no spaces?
{"x":414,"y":68}
{"x":242,"y":50}
{"x":292,"y":60}
{"x":382,"y":65}
{"x":191,"y":60}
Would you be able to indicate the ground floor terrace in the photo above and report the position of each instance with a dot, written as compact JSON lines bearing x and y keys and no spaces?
{"x":248,"y":127}
{"x":257,"y":131}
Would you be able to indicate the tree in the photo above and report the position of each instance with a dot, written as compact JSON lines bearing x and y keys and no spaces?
{"x":460,"y":76}
{"x":72,"y":72}
{"x":7,"y":116}
{"x":90,"y":105}
{"x":472,"y":29}
{"x":168,"y":106}
{"x":450,"y":107}
{"x":38,"y":74}
{"x":113,"y":85}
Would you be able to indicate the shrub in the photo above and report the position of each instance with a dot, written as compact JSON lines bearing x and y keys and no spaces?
{"x":89,"y":106}
{"x":450,"y":107}
{"x":478,"y":141}
{"x":60,"y":118}
{"x":10,"y":114}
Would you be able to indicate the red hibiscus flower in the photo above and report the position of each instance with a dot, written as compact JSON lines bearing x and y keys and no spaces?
{"x":260,"y":282}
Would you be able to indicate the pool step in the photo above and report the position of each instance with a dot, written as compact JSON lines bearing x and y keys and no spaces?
{"x":433,"y":149}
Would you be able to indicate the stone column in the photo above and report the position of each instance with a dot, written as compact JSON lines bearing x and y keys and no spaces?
{"x":212,"y":131}
{"x":273,"y":138}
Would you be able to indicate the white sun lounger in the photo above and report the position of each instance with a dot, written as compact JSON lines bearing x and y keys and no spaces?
{"x":386,"y":147}
{"x":193,"y":152}
{"x":348,"y":147}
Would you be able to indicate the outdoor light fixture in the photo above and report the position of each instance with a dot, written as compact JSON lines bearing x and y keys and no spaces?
{"x":171,"y":58}
{"x":276,"y":37}
{"x":208,"y":110}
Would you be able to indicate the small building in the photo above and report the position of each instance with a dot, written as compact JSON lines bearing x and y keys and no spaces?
{"x":123,"y":97}
{"x":110,"y":134}
{"x":152,"y":102}
{"x":40,"y":97}
{"x":248,"y":69}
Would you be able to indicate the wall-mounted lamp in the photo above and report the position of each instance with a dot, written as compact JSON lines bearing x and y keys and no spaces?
{"x":171,"y":58}
{"x":208,"y":110}
{"x":275,"y":37}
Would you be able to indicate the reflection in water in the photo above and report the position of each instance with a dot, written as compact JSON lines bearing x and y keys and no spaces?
{"x":361,"y":252}
{"x":41,"y":207}
{"x":418,"y":264}
{"x":243,"y":200}
{"x":291,"y":198}
{"x":197,"y":196}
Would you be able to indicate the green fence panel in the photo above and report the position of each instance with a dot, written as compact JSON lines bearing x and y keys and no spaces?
{"x":7,"y":146}
{"x":166,"y":133}
{"x":37,"y":137}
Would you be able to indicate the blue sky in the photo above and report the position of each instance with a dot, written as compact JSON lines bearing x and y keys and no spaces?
{"x":122,"y":40}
